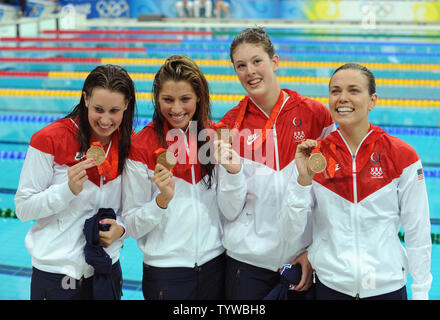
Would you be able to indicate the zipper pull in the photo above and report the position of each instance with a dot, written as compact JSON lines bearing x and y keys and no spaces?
{"x":196,"y":267}
{"x":357,"y":296}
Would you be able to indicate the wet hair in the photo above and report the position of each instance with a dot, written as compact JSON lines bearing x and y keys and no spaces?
{"x":364,"y":70}
{"x":256,"y":36}
{"x":181,"y":68}
{"x":115,"y":79}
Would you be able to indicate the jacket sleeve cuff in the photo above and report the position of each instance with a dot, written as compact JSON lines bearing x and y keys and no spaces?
{"x":122,"y":224}
{"x":302,"y":195}
{"x":421,"y":291}
{"x":230,"y":178}
{"x":66,"y":193}
{"x":62,"y":198}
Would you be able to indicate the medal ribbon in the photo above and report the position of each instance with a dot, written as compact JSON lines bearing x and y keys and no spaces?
{"x":219,"y":125}
{"x":109,"y":168}
{"x":192,"y":145}
{"x":269,"y":123}
{"x":318,"y":147}
{"x":331,"y":162}
{"x":158,"y":152}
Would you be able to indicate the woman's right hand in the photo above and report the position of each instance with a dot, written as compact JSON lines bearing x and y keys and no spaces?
{"x":163,"y":178}
{"x":77,"y":175}
{"x":303,"y":151}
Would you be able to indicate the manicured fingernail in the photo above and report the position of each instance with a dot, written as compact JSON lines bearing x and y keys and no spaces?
{"x":101,"y":221}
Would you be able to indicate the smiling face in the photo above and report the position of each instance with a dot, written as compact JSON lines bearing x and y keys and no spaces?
{"x":256,"y":70}
{"x":350,"y":100}
{"x":178,"y":103}
{"x":105,"y":112}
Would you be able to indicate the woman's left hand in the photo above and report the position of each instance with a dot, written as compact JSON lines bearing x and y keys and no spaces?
{"x":226,"y":156}
{"x":307,"y":272}
{"x":114,"y":233}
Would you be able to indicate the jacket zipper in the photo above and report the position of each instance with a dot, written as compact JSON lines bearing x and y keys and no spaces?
{"x":356,"y":226}
{"x":197,"y":218}
{"x":101,"y":184}
{"x":277,"y":165}
{"x":277,"y":184}
{"x":275,"y":139}
{"x":101,"y":181}
{"x":194,"y":195}
{"x":355,"y":217}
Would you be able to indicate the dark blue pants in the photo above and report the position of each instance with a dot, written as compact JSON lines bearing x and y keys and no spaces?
{"x":205,"y":282}
{"x":56,"y":286}
{"x":247,"y":282}
{"x":323,"y":292}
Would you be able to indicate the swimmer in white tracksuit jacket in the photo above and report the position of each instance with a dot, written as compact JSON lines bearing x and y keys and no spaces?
{"x":59,"y":188}
{"x":373,"y":185}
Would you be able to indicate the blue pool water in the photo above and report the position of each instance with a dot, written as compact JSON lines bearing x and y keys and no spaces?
{"x":21,"y":116}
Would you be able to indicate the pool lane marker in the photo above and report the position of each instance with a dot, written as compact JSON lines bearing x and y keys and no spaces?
{"x":229,"y":98}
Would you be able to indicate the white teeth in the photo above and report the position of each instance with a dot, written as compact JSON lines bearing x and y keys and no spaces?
{"x":255,"y":81}
{"x":177,"y":117}
{"x":104,"y":127}
{"x":344,"y":109}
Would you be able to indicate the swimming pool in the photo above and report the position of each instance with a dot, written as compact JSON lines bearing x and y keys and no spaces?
{"x":40,"y":81}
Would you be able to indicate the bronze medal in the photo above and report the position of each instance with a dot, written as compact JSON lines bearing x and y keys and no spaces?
{"x":96,"y":153}
{"x":317,"y":162}
{"x":167,"y":159}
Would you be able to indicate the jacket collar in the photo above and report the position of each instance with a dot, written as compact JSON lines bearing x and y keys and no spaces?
{"x":252,"y":107}
{"x":374,"y":134}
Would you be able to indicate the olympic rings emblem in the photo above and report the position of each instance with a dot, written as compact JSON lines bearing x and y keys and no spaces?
{"x":376,"y":172}
{"x":381,"y":9}
{"x":112,"y":9}
{"x":384,"y":9}
{"x":299,"y":136}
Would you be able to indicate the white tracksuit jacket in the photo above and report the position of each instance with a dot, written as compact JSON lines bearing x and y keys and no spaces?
{"x":358,"y":213}
{"x":56,"y":240}
{"x":188,"y":232}
{"x":253,"y":236}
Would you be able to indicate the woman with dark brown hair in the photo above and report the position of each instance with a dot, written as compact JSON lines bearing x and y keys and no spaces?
{"x":175,"y":213}
{"x":370,"y":185}
{"x":62,"y":185}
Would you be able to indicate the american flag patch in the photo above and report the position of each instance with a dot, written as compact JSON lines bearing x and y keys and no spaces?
{"x":420,"y":175}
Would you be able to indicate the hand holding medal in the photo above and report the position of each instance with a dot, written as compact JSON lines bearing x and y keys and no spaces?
{"x":77,"y":175}
{"x":309,"y":161}
{"x":225,"y":155}
{"x":106,"y":162}
{"x":163,"y":177}
{"x":223,"y":132}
